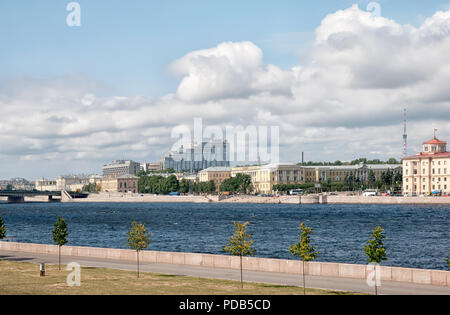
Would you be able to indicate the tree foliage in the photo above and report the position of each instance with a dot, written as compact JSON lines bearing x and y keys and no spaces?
{"x":60,"y":232}
{"x":138,"y":238}
{"x":303,"y":248}
{"x":2,"y":228}
{"x":374,"y":248}
{"x":240,"y":244}
{"x":241,"y":183}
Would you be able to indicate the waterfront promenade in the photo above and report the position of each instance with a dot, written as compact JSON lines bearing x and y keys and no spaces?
{"x":306,"y":199}
{"x":321,"y":276}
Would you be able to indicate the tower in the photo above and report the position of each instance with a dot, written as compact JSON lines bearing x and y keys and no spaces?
{"x":405,"y":136}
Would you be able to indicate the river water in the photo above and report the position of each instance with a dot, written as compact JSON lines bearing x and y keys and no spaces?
{"x":417,"y":236}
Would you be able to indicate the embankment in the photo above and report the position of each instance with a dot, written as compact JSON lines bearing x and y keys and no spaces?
{"x":294,"y":267}
{"x":305,"y":199}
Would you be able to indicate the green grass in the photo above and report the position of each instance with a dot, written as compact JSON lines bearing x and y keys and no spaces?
{"x":19,"y":278}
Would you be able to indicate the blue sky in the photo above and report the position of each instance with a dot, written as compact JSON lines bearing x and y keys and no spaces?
{"x":334,"y":79}
{"x":128,"y":45}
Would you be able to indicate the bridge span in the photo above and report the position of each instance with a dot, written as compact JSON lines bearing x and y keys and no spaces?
{"x":18,"y":196}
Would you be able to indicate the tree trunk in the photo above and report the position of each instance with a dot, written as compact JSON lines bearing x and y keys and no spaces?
{"x":59,"y":257}
{"x":137,"y":255}
{"x":376,"y":291}
{"x":242,"y":283}
{"x":304,"y":283}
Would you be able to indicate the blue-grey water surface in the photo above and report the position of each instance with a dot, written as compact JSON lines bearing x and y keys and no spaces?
{"x":417,"y":236}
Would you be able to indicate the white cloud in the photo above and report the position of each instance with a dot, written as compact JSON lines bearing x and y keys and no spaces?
{"x":343,"y":101}
{"x":230,"y":70}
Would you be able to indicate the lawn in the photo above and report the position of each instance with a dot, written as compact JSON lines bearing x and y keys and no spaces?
{"x":20,"y":278}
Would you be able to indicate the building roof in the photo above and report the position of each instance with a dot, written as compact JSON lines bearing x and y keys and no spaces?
{"x":355,"y":167}
{"x":128,"y":176}
{"x":428,"y":155}
{"x":435,"y":141}
{"x":217,"y":169}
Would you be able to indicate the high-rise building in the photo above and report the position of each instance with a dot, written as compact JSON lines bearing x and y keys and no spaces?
{"x":120,"y":167}
{"x":197,"y":157}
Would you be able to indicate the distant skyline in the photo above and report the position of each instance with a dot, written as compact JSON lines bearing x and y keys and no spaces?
{"x":334,"y":77}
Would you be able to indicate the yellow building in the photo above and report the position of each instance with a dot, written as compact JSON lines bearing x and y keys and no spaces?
{"x":427,"y":171}
{"x":320,"y":174}
{"x":216,"y":174}
{"x":264,"y":177}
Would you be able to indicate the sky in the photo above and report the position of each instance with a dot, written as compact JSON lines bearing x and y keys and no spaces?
{"x":333,"y":76}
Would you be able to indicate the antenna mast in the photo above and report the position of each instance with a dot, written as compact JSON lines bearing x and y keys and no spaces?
{"x":405,"y":136}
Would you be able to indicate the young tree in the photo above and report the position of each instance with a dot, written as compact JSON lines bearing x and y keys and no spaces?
{"x":303,"y":249}
{"x":2,"y":228}
{"x":375,"y":249}
{"x":60,"y":234}
{"x":138,"y":239}
{"x":240,"y":244}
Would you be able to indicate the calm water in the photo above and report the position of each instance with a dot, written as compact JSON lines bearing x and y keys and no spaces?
{"x":417,"y":236}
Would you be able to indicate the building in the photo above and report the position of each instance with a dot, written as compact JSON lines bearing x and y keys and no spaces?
{"x":427,"y":171}
{"x":266,"y":176}
{"x":193,"y":177}
{"x":332,"y":173}
{"x":71,"y":182}
{"x":127,"y":184}
{"x":217,"y":174}
{"x":197,"y":157}
{"x":45,"y":185}
{"x":151,"y":167}
{"x":120,"y":167}
{"x":16,"y":184}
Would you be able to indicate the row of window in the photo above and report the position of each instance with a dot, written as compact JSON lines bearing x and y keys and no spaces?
{"x":426,"y":163}
{"x":434,"y":171}
{"x":434,"y":187}
{"x":433,"y":179}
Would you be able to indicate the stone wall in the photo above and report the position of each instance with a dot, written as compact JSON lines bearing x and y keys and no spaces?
{"x":409,"y":275}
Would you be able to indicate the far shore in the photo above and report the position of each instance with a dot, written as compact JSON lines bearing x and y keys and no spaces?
{"x":343,"y":198}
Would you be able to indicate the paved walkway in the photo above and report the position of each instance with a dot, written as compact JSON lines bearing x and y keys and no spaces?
{"x":341,"y":284}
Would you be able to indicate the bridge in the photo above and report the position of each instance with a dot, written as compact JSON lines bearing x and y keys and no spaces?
{"x":18,"y":196}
